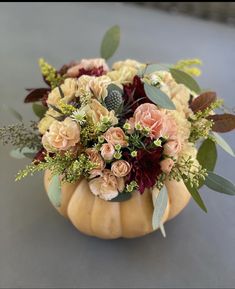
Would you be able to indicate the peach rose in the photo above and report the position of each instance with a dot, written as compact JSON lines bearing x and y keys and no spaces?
{"x":96,"y":158}
{"x":97,"y":111}
{"x":107,"y":186}
{"x":172,"y":147}
{"x":167,"y":165}
{"x":115,"y":135}
{"x":120,"y":168}
{"x":62,"y":135}
{"x":107,"y":151}
{"x":170,"y":129}
{"x":149,"y":116}
{"x":87,"y":64}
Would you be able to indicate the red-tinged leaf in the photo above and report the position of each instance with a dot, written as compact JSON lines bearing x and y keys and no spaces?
{"x":203,"y":101}
{"x":36,"y":94}
{"x":63,"y":70}
{"x":223,"y":122}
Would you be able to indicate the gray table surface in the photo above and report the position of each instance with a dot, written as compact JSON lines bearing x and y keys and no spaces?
{"x":38,"y":248}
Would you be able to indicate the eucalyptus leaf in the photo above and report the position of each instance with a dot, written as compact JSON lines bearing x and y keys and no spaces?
{"x":110,"y":42}
{"x":54,"y":191}
{"x":184,"y":78}
{"x":30,"y":155}
{"x":158,"y":97}
{"x":12,"y":111}
{"x":222,"y":122}
{"x":197,"y":198}
{"x":22,"y":153}
{"x":219,"y":184}
{"x":39,"y":109}
{"x":17,"y":154}
{"x":203,"y":101}
{"x":162,"y":230}
{"x":207,"y":155}
{"x":160,"y":205}
{"x":223,"y":144}
{"x":122,"y":197}
{"x":157,"y":67}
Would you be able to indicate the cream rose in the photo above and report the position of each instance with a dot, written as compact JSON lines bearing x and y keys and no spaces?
{"x":69,"y":90}
{"x":96,"y":158}
{"x":120,"y":168}
{"x":84,"y":85}
{"x":97,"y":111}
{"x":107,"y":151}
{"x":116,"y":136}
{"x":129,"y":63}
{"x":87,"y":64}
{"x":62,"y":135}
{"x":107,"y":186}
{"x":98,"y":86}
{"x":123,"y":75}
{"x":167,"y":165}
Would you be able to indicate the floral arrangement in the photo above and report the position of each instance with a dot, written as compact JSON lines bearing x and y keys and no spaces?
{"x":125,"y":128}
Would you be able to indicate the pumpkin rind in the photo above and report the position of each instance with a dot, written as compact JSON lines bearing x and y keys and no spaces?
{"x":110,"y":220}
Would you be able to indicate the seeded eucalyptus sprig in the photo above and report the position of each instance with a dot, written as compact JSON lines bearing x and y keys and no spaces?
{"x":20,"y":136}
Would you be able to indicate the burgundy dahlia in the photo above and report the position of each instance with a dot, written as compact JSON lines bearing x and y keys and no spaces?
{"x":145,"y":168}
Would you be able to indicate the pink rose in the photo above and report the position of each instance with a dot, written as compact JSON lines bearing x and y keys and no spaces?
{"x":172,"y":147}
{"x":149,"y":116}
{"x":107,"y":186}
{"x":115,"y":135}
{"x":96,"y":158}
{"x":170,"y":128}
{"x":62,"y":135}
{"x":107,"y":151}
{"x":120,"y":168}
{"x":167,"y":165}
{"x":87,"y":64}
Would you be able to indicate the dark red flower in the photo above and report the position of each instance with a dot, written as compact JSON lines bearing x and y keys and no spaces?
{"x":145,"y":168}
{"x":40,"y":156}
{"x":96,"y":71}
{"x":134,"y":94}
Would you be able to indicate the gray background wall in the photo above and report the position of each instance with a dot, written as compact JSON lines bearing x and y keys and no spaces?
{"x":38,"y":248}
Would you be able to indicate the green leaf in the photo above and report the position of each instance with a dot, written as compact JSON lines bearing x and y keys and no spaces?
{"x":39,"y":109}
{"x":22,"y":153}
{"x":17,"y":154}
{"x":219,"y":184}
{"x":110,"y":42}
{"x":162,"y":229}
{"x":207,"y":155}
{"x":122,"y":197}
{"x":157,"y":67}
{"x":184,"y":78}
{"x":160,"y":204}
{"x":158,"y":97}
{"x":12,"y":111}
{"x":197,"y":198}
{"x":54,"y":191}
{"x":223,"y":144}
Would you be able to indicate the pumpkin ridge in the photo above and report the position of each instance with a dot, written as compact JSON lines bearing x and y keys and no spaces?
{"x":91,"y":215}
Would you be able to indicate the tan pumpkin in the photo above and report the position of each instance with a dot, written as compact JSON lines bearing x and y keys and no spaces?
{"x":110,"y":220}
